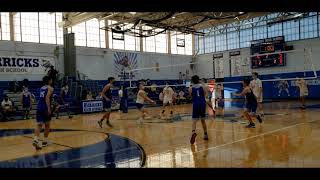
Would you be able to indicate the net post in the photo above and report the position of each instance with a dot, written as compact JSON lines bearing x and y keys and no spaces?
{"x":130,"y":79}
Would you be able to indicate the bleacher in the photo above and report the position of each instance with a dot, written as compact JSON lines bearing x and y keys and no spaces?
{"x":34,"y":89}
{"x":76,"y":87}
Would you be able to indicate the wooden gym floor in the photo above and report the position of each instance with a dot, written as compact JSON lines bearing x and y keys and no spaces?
{"x":288,"y":137}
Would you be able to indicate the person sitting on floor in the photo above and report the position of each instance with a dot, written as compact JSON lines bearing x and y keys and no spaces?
{"x":89,"y":96}
{"x":6,"y":108}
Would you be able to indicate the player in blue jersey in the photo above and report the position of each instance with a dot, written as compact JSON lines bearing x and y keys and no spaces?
{"x":198,"y":93}
{"x":43,"y":112}
{"x":26,"y":101}
{"x":251,"y":103}
{"x":107,"y":101}
{"x":61,"y":101}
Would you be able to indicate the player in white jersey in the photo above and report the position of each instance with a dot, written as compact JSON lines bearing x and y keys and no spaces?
{"x":303,"y":88}
{"x":167,"y":98}
{"x":141,"y":98}
{"x":209,"y":95}
{"x":256,"y":86}
{"x":218,"y":99}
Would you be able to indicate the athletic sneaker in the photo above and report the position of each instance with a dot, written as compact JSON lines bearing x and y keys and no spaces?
{"x":205,"y":137}
{"x":193,"y":138}
{"x":251,"y":125}
{"x":37,"y":145}
{"x":45,"y":143}
{"x":139,"y":121}
{"x":108,"y":124}
{"x":259,"y":118}
{"x":100,"y":123}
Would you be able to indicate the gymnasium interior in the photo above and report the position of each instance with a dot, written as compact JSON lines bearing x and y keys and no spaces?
{"x":159,"y":48}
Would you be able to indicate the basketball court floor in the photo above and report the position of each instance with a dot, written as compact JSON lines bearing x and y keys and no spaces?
{"x":288,"y":137}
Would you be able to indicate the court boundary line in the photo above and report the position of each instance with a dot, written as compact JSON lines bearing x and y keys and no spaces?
{"x":252,"y":137}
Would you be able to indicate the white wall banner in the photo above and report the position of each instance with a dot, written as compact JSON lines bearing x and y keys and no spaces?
{"x":25,"y":64}
{"x":92,"y":106}
{"x":123,"y":62}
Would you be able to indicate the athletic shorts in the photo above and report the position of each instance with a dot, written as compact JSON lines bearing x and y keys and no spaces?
{"x":167,"y":100}
{"x":304,"y":93}
{"x":139,"y":106}
{"x":107,"y":105}
{"x":251,"y":107}
{"x":26,"y":106}
{"x":220,"y":103}
{"x":42,"y":117}
{"x":198,"y":110}
{"x":59,"y":102}
{"x":259,"y":100}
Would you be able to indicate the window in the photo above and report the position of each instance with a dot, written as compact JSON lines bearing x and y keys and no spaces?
{"x":92,"y":30}
{"x":233,"y":36}
{"x":274,"y":30}
{"x":79,"y":31}
{"x":291,"y":30}
{"x":149,"y":44}
{"x":209,"y":41}
{"x":177,"y":40}
{"x":221,"y":39}
{"x":173,"y":36}
{"x":318,"y":23}
{"x":59,"y":29}
{"x":200,"y":45}
{"x":180,"y":36}
{"x":259,"y":29}
{"x":245,"y":37}
{"x":29,"y":27}
{"x":4,"y":26}
{"x":47,"y":28}
{"x":308,"y":27}
{"x":134,"y":40}
{"x":113,"y":43}
{"x":17,"y":27}
{"x":259,"y":32}
{"x":161,"y":42}
{"x":102,"y":34}
{"x":188,"y":44}
{"x":130,"y":42}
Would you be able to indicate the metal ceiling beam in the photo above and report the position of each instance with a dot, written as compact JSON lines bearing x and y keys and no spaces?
{"x":132,"y":20}
{"x":74,"y":19}
{"x":215,"y":22}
